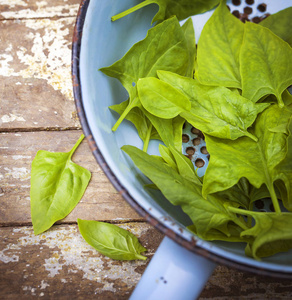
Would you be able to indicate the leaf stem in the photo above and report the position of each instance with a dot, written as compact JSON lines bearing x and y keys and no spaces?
{"x":76,"y":145}
{"x":254,"y":138}
{"x":139,"y":256}
{"x":130,"y":10}
{"x":274,"y":199}
{"x":124,"y":114}
{"x":239,"y":211}
{"x":147,"y":139}
{"x":240,"y":224}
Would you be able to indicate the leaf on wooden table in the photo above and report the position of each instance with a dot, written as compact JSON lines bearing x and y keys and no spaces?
{"x":57,"y":185}
{"x":111,"y":240}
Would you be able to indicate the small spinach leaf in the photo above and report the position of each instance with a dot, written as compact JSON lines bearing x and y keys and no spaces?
{"x":161,"y":99}
{"x":57,"y":185}
{"x":265,"y":63}
{"x":111,"y":240}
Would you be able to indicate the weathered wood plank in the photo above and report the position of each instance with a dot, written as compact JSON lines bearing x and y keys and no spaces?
{"x":19,"y":9}
{"x":17,"y":150}
{"x":59,"y":264}
{"x":35,"y":75}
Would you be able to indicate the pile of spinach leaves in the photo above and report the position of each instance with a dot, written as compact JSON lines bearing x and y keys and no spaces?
{"x":234,"y":88}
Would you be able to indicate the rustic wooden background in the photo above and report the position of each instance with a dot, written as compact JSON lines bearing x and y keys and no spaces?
{"x":38,"y":112}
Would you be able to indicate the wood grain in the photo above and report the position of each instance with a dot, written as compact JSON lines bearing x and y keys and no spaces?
{"x":59,"y":264}
{"x":100,"y":201}
{"x":35,"y":75}
{"x":28,"y":9}
{"x":36,"y":100}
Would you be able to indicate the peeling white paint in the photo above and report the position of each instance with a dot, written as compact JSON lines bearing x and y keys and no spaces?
{"x":44,"y":285}
{"x":13,"y":3}
{"x":54,"y":66}
{"x":43,"y":11}
{"x":49,"y":57}
{"x":74,"y":253}
{"x":17,"y":173}
{"x":5,"y":69}
{"x":11,"y":118}
{"x":16,"y":157}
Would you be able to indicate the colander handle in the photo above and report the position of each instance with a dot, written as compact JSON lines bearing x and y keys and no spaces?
{"x":174,"y":273}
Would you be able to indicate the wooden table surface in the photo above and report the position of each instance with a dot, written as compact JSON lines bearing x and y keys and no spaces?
{"x":37,"y":111}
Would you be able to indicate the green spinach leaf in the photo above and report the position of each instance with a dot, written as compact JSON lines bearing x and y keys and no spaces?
{"x":57,"y":185}
{"x":284,"y":171}
{"x":216,"y":111}
{"x":265,"y":64}
{"x":167,"y":8}
{"x":206,"y":214}
{"x":169,"y":130}
{"x":272,"y":233}
{"x":189,"y":32}
{"x":280,"y":24}
{"x":258,"y":160}
{"x":218,"y":49}
{"x":161,"y":99}
{"x":111,"y":240}
{"x":165,"y":47}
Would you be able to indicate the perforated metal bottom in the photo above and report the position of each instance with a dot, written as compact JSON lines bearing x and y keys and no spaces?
{"x":194,"y":147}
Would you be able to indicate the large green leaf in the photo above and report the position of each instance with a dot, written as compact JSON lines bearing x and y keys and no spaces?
{"x":265,"y":63}
{"x":57,"y":185}
{"x":206,"y":214}
{"x":161,"y":99}
{"x":215,"y":110}
{"x":272,"y":233}
{"x":218,"y":49}
{"x":164,"y":48}
{"x":280,"y":24}
{"x":111,"y":240}
{"x":256,"y":161}
{"x":167,"y":8}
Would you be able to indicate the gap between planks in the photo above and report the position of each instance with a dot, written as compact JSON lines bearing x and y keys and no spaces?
{"x":37,"y":129}
{"x":21,"y":224}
